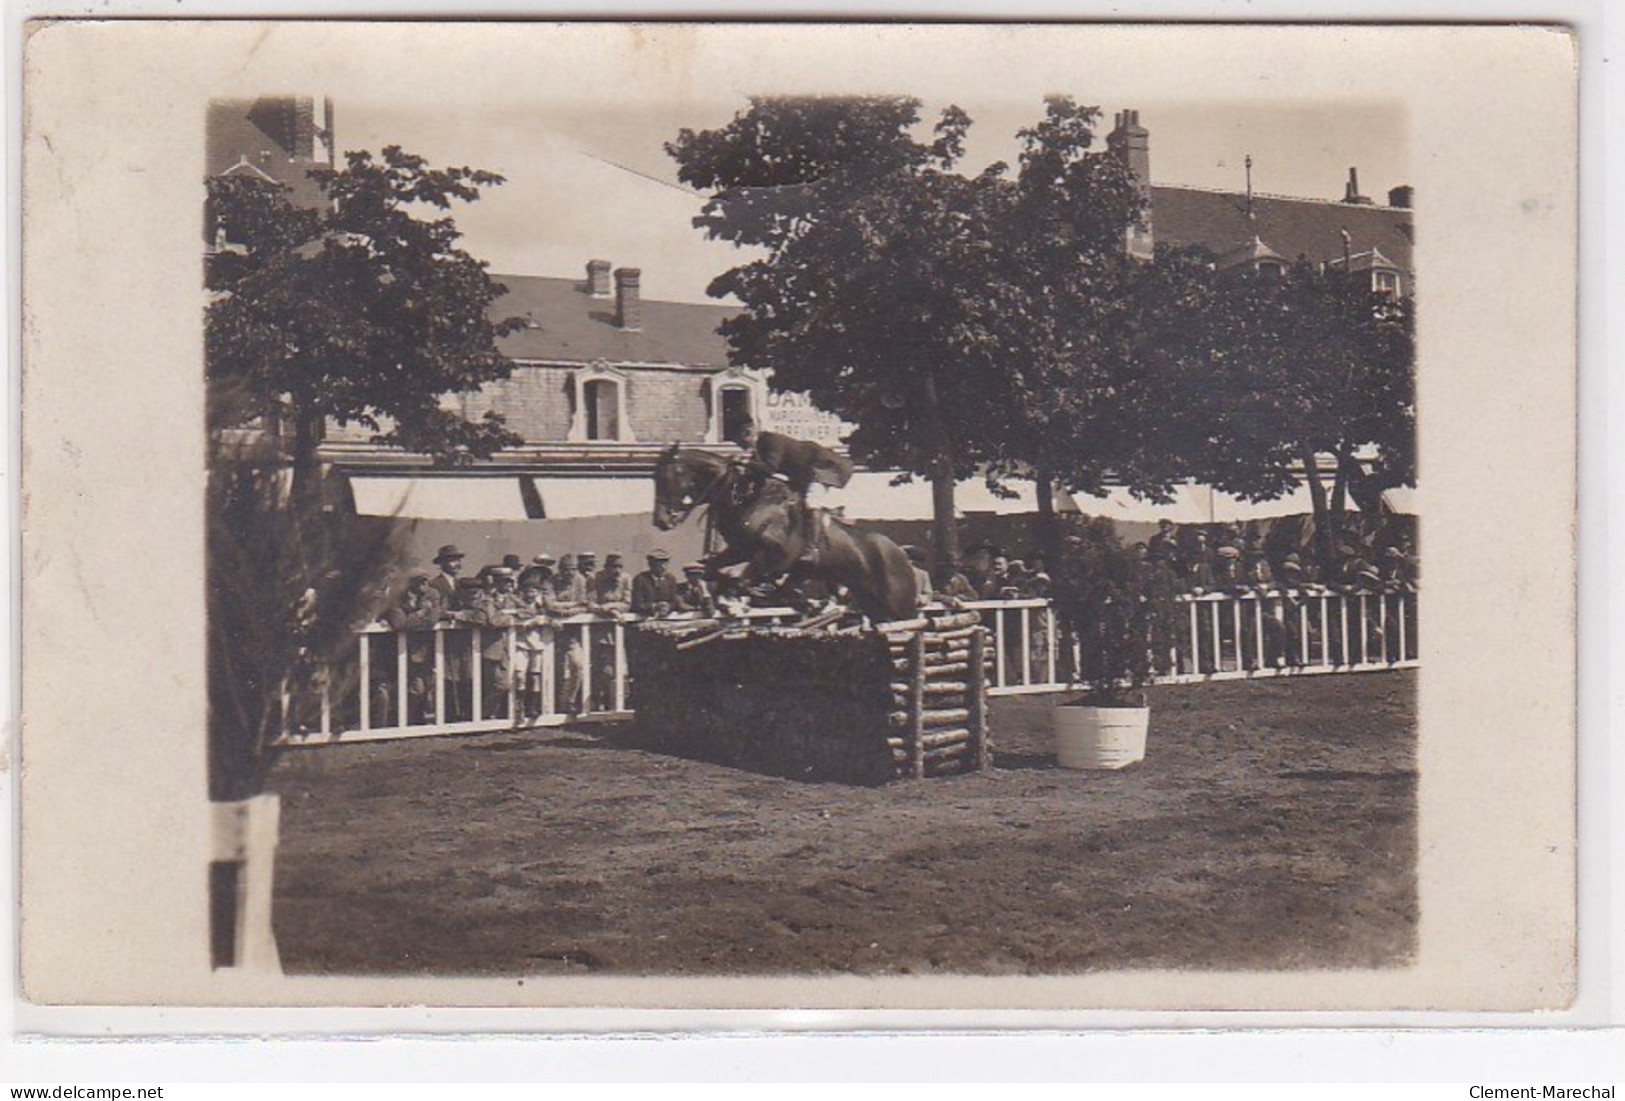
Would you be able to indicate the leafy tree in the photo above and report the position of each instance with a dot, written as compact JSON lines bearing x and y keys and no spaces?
{"x":361,"y":312}
{"x":871,"y":295}
{"x":1288,"y":370}
{"x":965,"y":324}
{"x":1073,"y":315}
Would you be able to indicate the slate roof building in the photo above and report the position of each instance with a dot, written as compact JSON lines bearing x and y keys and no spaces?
{"x":274,"y":138}
{"x":1257,"y":231}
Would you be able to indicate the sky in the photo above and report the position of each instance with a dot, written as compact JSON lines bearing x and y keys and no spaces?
{"x":589,"y":179}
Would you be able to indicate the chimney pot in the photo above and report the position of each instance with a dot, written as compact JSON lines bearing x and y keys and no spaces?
{"x":598,"y":278}
{"x":628,"y":304}
{"x":1351,"y":191}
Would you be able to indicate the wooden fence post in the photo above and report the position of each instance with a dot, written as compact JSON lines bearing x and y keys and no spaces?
{"x":916,"y":705}
{"x":976,"y":701}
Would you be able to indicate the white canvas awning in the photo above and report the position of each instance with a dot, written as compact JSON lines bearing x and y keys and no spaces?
{"x":1402,"y":499}
{"x":870,"y":495}
{"x":500,"y":497}
{"x":1199,"y":504}
{"x":444,"y":498}
{"x":577,"y":498}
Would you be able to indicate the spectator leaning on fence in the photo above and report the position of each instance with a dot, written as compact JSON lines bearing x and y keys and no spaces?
{"x":1198,"y":566}
{"x":449,"y":561}
{"x":654,"y":591}
{"x":569,"y":598}
{"x":1164,"y":544}
{"x":693,"y":592}
{"x":536,"y":631}
{"x":952,"y":585}
{"x":417,"y":609}
{"x":587,"y":567}
{"x":612,"y":589}
{"x":498,"y":607}
{"x":1398,"y":570}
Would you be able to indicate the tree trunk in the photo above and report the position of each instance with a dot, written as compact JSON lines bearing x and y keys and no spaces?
{"x":1340,"y":484}
{"x":1049,"y":529}
{"x":1325,"y":541}
{"x":310,"y":427}
{"x":944,"y":527}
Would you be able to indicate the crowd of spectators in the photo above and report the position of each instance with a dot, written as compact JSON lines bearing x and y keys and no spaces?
{"x":1232,"y":559}
{"x":533,"y":598}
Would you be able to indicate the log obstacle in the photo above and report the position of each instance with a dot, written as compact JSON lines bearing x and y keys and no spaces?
{"x":818,"y":700}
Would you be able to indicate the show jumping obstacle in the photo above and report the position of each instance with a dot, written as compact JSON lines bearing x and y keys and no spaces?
{"x":819,"y":701}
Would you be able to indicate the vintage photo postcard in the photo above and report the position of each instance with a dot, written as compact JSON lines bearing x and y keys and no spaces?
{"x":754,"y":516}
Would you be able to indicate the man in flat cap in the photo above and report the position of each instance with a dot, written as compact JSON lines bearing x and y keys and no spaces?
{"x":587,"y":567}
{"x":693,"y":593}
{"x":611,"y":588}
{"x":494,"y":611}
{"x":654,"y":591}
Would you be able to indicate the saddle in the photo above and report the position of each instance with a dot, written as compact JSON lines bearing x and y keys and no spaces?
{"x":756,"y":480}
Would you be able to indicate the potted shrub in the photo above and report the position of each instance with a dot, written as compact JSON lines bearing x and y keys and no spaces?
{"x":287,"y":584}
{"x":1106,"y":596}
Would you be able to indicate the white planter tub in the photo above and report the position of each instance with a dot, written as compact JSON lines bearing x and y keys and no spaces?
{"x":1100,"y":737}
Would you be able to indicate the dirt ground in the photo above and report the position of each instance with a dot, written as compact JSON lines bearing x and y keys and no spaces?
{"x":1272,"y":825}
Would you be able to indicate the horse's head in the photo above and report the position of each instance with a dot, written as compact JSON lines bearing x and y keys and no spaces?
{"x":682,"y":481}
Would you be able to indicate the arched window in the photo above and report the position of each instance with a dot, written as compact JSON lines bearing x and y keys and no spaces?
{"x":598,"y":405}
{"x":735,"y":396}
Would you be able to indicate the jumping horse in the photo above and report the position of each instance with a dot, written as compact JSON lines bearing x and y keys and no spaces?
{"x":766,"y":527}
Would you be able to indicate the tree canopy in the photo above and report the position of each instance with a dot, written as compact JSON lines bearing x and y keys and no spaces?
{"x":946,"y":316}
{"x":997,"y":323}
{"x":365,"y":311}
{"x":1280,"y":371}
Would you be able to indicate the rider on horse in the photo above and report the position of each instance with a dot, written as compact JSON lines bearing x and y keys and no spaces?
{"x":799,"y":463}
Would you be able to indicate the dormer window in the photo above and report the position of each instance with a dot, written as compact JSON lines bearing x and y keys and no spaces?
{"x":1385,"y":282}
{"x":734,"y":396}
{"x":598,"y":406}
{"x":1270,"y":271}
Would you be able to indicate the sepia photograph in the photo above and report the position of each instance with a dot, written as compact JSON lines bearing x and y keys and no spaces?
{"x":855,"y":520}
{"x":958,"y":476}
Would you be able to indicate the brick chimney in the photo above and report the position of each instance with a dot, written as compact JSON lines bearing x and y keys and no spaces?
{"x":304,"y":128}
{"x":1351,"y":191}
{"x":1400,"y":196}
{"x":598,"y":278}
{"x":628,"y":305}
{"x":1130,"y":143}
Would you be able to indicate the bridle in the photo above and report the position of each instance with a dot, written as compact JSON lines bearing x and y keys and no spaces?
{"x":706,"y":496}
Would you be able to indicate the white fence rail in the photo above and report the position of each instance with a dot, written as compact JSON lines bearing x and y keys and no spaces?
{"x":465,"y":679}
{"x":1216,"y":637}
